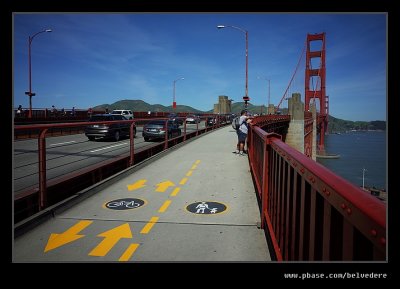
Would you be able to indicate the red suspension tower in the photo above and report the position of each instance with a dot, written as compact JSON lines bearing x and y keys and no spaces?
{"x":317,"y":91}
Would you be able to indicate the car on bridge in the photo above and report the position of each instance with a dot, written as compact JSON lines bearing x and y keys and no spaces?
{"x":114,"y":130}
{"x":127,"y":114}
{"x":155,"y":129}
{"x":192,"y":119}
{"x":210,"y":121}
{"x":175,"y":118}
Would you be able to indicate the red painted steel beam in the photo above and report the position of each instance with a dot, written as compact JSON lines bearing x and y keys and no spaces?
{"x":358,"y":209}
{"x":362,"y":210}
{"x":42,"y":170}
{"x":326,"y":236}
{"x":372,"y":207}
{"x":131,"y":144}
{"x":294,"y":236}
{"x":314,"y":92}
{"x":45,"y":186}
{"x":313,"y":209}
{"x":273,"y":238}
{"x":265,"y":185}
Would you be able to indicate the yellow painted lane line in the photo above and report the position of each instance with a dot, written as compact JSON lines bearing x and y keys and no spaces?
{"x":193,"y":167}
{"x":129,"y":252}
{"x":175,"y":192}
{"x":146,"y":229}
{"x":197,"y":162}
{"x":189,"y":173}
{"x":183,"y":181}
{"x":165,"y":206}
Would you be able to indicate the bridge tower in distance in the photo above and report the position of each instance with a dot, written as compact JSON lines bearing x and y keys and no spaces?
{"x":317,"y":90}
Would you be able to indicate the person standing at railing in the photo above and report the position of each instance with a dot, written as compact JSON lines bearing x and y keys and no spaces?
{"x":73,"y":111}
{"x":244,"y":121}
{"x":19,"y":111}
{"x":90,"y":112}
{"x":53,"y":111}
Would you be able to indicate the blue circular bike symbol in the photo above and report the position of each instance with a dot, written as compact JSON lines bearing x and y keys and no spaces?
{"x":124,"y":204}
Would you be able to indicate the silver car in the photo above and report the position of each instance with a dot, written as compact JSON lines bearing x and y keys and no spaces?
{"x":155,"y":129}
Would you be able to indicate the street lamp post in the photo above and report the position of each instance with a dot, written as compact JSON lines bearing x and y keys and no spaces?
{"x":173,"y":99}
{"x":363,"y":174}
{"x":246,"y":97}
{"x":30,"y":93}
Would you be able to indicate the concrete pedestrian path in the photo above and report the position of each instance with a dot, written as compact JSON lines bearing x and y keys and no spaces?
{"x":196,"y":203}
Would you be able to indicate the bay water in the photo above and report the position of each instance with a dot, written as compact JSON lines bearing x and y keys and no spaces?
{"x":358,"y":150}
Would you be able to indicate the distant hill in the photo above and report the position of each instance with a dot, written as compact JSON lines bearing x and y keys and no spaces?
{"x":140,"y":105}
{"x":340,"y":125}
{"x":254,"y":109}
{"x":335,"y":124}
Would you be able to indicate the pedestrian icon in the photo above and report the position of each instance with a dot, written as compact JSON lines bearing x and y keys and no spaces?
{"x":206,"y":208}
{"x":201,"y":207}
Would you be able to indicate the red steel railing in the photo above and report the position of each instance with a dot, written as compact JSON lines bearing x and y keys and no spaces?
{"x":311,"y":213}
{"x":40,"y":194}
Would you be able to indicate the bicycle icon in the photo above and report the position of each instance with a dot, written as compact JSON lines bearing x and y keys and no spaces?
{"x":124,"y":204}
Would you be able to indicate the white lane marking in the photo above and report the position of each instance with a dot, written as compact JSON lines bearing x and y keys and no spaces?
{"x":62,"y":143}
{"x":104,"y":148}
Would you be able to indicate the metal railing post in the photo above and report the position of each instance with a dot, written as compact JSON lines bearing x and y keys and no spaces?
{"x":42,"y":170}
{"x":132,"y":144}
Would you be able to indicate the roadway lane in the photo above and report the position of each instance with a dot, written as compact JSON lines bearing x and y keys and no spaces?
{"x":66,"y":154}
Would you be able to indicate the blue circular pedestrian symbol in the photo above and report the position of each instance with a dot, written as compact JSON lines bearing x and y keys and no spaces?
{"x":206,"y":208}
{"x":124,"y":204}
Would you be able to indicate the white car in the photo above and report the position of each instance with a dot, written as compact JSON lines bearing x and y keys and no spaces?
{"x":127,"y":114}
{"x":192,"y":119}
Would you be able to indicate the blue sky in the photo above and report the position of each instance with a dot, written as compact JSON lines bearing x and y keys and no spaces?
{"x":92,"y":59}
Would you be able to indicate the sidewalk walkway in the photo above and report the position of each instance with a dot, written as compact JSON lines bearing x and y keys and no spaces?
{"x":196,"y":203}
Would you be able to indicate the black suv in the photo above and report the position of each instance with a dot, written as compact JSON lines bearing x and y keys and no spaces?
{"x":111,"y":130}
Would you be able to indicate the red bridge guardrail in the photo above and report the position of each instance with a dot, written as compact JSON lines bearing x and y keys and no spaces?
{"x":48,"y":192}
{"x":309,"y":212}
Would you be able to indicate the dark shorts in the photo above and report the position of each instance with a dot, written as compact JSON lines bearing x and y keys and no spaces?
{"x":241,"y":136}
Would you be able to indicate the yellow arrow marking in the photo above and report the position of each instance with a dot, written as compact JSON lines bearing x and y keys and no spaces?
{"x":164,"y":206}
{"x":111,"y":237}
{"x":197,"y":162}
{"x":137,"y":185}
{"x":193,"y":167}
{"x":183,"y":181}
{"x":189,"y":173}
{"x":162,"y":187}
{"x":149,"y":225}
{"x":70,"y":235}
{"x":175,"y":192}
{"x":129,"y":252}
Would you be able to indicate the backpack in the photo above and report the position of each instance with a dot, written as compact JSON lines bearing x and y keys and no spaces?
{"x":235,"y":123}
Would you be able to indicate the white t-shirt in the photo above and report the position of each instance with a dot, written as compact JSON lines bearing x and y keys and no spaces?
{"x":243,"y":124}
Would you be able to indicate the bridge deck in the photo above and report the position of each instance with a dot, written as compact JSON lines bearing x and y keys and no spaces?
{"x":162,"y":229}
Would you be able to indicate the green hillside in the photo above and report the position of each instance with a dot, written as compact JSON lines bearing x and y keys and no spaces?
{"x":340,"y":125}
{"x":140,"y":105}
{"x":335,"y":124}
